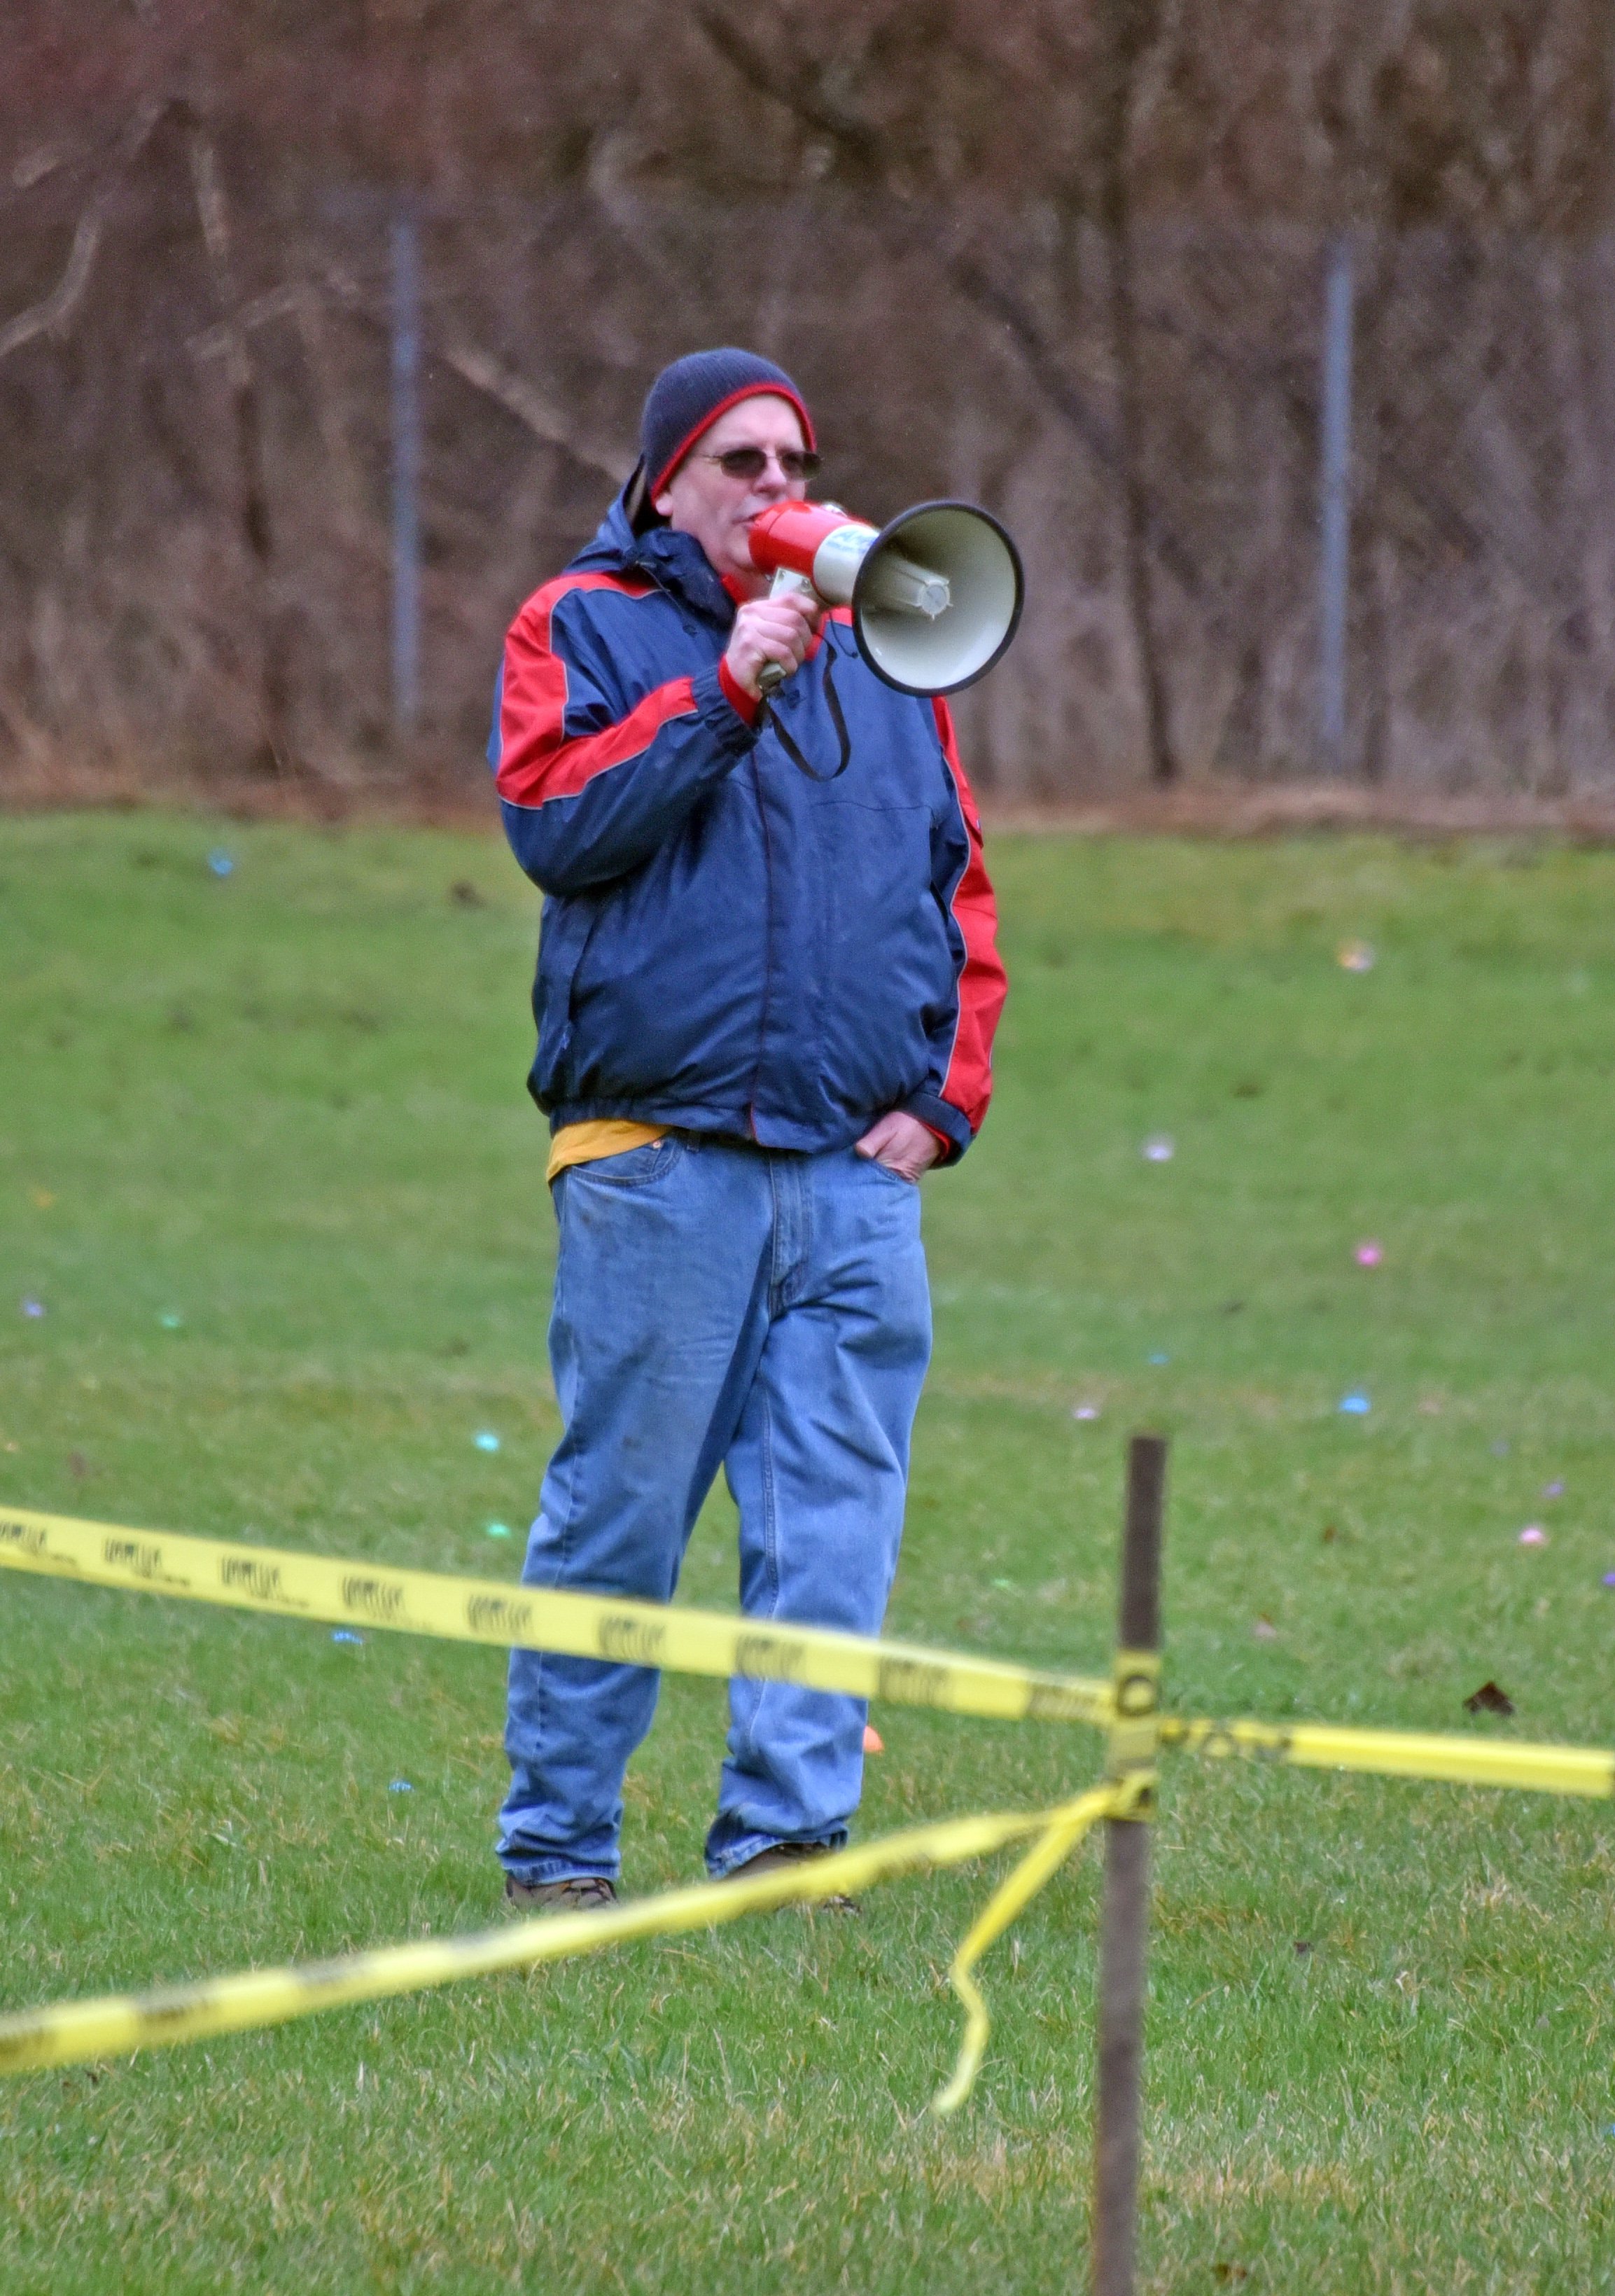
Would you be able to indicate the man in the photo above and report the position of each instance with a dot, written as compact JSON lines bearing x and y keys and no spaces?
{"x":766,"y":992}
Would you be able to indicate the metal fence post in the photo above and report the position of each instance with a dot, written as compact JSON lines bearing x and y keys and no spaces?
{"x":1334,"y":558}
{"x":405,"y":471}
{"x":1124,"y":1935}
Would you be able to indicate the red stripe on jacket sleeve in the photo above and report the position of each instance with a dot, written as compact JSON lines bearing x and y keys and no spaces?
{"x":537,"y":760}
{"x":983,"y":984}
{"x":748,"y":707}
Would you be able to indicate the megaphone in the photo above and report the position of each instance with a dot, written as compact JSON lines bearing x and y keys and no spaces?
{"x":935,"y":595}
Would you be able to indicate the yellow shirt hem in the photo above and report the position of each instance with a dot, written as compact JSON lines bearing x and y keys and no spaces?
{"x":605,"y":1136}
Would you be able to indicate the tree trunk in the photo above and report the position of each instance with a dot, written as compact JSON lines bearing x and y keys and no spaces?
{"x":257,"y":538}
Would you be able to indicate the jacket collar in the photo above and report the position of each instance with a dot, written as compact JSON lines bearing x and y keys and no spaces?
{"x":677,"y":562}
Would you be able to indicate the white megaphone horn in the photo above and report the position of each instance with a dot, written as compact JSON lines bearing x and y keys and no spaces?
{"x":935,"y":596}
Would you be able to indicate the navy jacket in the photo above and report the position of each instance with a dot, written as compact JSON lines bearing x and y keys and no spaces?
{"x":778,"y":932}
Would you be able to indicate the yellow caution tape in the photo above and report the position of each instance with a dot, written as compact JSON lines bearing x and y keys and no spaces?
{"x":1401,"y":1754}
{"x":703,"y":1642}
{"x":1064,"y":1830}
{"x":532,"y":1618}
{"x":1135,"y":1731}
{"x":648,"y":1634}
{"x":75,"y":2031}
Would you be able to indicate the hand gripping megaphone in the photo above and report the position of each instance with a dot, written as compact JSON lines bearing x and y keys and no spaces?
{"x":935,"y":596}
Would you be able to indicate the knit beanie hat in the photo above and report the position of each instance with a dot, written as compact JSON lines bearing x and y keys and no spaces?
{"x":688,"y":396}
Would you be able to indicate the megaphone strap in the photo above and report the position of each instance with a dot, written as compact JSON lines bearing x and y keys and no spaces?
{"x":839,"y":718}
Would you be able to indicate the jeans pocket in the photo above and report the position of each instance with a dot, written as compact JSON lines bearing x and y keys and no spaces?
{"x":899,"y":1179}
{"x":630,"y":1167}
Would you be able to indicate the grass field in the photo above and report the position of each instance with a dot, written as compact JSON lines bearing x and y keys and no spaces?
{"x":267,"y":1167}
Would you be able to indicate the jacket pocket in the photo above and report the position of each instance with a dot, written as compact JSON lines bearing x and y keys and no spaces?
{"x":563,"y":937}
{"x":887,"y":963}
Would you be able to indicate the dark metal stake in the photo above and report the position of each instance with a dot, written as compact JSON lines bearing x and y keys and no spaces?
{"x":1125,"y":1932}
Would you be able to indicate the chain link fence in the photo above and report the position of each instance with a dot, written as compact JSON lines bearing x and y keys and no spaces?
{"x":1293,"y":503}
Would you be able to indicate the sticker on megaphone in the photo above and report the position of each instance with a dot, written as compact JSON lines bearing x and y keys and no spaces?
{"x":935,"y":595}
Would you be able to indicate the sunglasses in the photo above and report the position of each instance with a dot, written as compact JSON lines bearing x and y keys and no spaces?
{"x":750,"y":463}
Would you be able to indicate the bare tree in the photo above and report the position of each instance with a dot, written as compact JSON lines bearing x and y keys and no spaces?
{"x":1061,"y":253}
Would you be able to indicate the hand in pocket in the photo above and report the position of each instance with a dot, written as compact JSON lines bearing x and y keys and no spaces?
{"x":902,"y":1144}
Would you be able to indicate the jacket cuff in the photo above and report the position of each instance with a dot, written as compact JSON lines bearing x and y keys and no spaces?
{"x":942,"y":1117}
{"x":747,"y":707}
{"x":720,"y":718}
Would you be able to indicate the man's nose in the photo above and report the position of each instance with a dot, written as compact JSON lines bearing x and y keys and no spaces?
{"x":771,"y":479}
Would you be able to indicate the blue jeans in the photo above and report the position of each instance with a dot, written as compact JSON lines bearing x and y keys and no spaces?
{"x":719,"y":1304}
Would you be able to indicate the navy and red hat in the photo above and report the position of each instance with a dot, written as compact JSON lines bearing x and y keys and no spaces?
{"x":687,"y":397}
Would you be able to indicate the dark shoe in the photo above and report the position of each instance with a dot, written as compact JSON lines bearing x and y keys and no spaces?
{"x":785,"y":1854}
{"x":582,"y":1893}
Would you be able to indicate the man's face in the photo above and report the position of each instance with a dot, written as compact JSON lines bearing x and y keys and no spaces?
{"x":702,"y":499}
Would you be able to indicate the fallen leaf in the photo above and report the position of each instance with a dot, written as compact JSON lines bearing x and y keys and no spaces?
{"x":1488,"y":1700}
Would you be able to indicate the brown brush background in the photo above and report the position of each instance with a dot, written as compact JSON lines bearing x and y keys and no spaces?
{"x":1065,"y":260}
